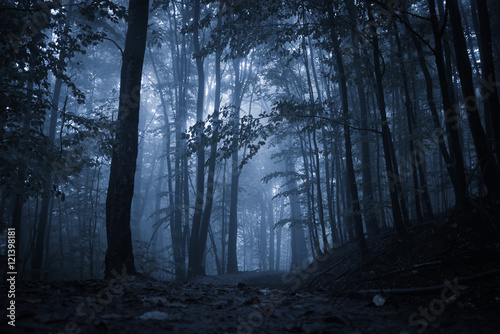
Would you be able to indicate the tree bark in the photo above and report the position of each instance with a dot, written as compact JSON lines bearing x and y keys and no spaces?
{"x":298,"y":239}
{"x":207,"y":212}
{"x":487,"y":162}
{"x":232,"y":262}
{"x":270,"y":224}
{"x":351,"y":177}
{"x":195,"y":252}
{"x":392,"y":173}
{"x":119,"y":254}
{"x":451,"y":117}
{"x":47,"y":190}
{"x":490,"y":91}
{"x":439,"y":132}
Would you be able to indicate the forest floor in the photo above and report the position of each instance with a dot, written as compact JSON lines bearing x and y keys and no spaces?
{"x":445,"y":278}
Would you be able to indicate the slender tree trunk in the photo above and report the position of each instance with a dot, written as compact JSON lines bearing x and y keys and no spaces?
{"x":139,"y":198}
{"x":298,"y":240}
{"x":47,"y":191}
{"x":195,"y":253}
{"x":341,"y":199}
{"x":223,"y":218}
{"x":311,"y":214}
{"x":392,"y":174}
{"x":319,"y":194}
{"x":351,"y":177}
{"x":451,"y":117}
{"x":176,"y":229}
{"x":484,"y":86}
{"x":263,"y":233}
{"x":119,"y":254}
{"x":214,"y":246}
{"x":409,"y":115}
{"x":368,"y":199}
{"x":232,"y":262}
{"x":489,"y":167}
{"x":438,"y":131}
{"x":167,"y":144}
{"x":205,"y":223}
{"x":158,"y":196}
{"x":278,"y":235}
{"x":490,"y":91}
{"x":270,"y":224}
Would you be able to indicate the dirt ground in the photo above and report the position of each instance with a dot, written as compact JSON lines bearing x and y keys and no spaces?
{"x":444,"y":278}
{"x":244,"y":303}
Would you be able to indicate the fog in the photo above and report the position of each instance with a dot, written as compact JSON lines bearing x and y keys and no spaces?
{"x":187,"y":139}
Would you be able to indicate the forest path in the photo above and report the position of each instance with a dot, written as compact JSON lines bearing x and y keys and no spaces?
{"x":230,"y":304}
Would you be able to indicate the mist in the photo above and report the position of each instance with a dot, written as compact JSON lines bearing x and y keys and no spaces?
{"x":265,"y":153}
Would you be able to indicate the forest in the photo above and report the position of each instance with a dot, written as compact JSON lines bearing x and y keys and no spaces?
{"x":248,"y":166}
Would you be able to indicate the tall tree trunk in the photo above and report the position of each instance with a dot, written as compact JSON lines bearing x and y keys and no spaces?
{"x":139,"y":198}
{"x":181,"y":71}
{"x":490,"y":91}
{"x":451,"y":117}
{"x":47,"y":190}
{"x":46,"y":195}
{"x":158,"y":196}
{"x":316,"y":164}
{"x":409,"y":118}
{"x":278,"y":235}
{"x":232,"y":262}
{"x":263,"y":233}
{"x":392,"y":173}
{"x":167,"y":143}
{"x":207,"y":212}
{"x":195,"y":252}
{"x":351,"y":177}
{"x":487,"y":162}
{"x":119,"y":254}
{"x":311,"y":212}
{"x":368,"y":199}
{"x":438,"y":131}
{"x":223,"y":218}
{"x":270,"y":224}
{"x":214,"y":246}
{"x":298,"y":239}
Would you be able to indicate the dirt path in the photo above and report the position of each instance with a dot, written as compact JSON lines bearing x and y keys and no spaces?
{"x":232,"y":304}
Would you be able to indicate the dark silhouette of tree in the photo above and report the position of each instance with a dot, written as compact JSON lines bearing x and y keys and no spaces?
{"x":195,"y":250}
{"x":489,"y":167}
{"x":451,"y":118}
{"x":119,"y":254}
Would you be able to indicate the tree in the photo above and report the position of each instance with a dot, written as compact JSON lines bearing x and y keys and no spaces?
{"x":232,"y":262}
{"x":351,"y":179}
{"x":119,"y":254}
{"x":207,"y":212}
{"x":487,"y":162}
{"x":298,"y":239}
{"x":195,"y":250}
{"x":450,"y":113}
